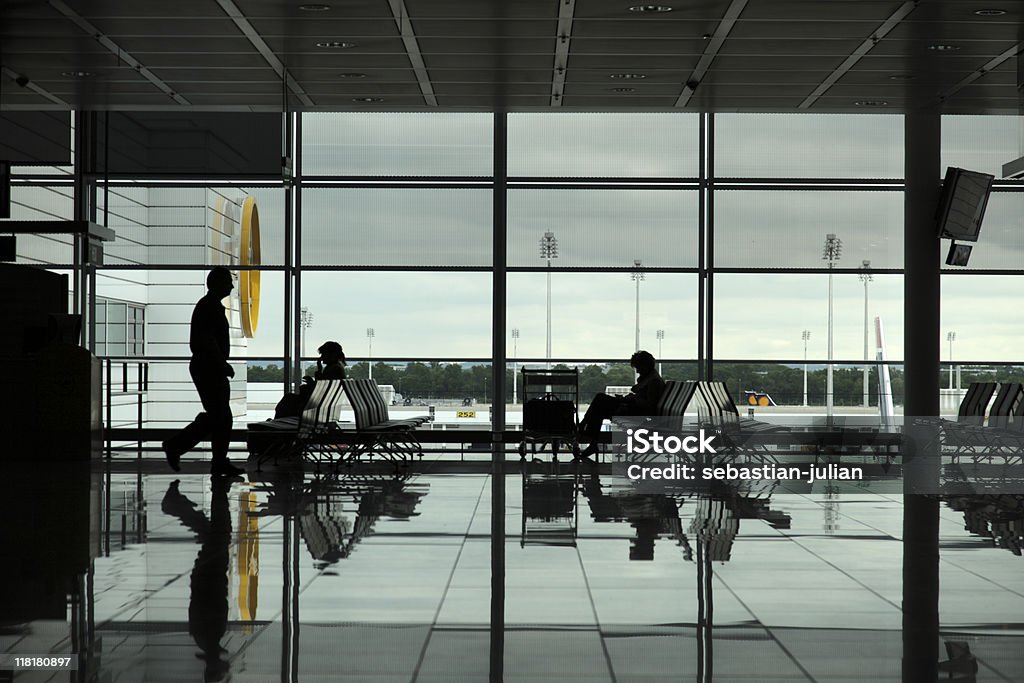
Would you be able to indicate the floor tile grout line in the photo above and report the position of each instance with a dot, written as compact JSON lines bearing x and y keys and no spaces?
{"x":768,"y":630}
{"x":593,"y":608}
{"x":448,"y":584}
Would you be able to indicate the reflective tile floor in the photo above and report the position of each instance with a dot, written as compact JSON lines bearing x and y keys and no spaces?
{"x":379,"y":578}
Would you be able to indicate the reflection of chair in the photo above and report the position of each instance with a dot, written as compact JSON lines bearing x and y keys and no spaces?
{"x":549,"y":507}
{"x":550,"y":410}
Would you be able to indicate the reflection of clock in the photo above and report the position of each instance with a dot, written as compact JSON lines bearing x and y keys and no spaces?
{"x":249,"y":280}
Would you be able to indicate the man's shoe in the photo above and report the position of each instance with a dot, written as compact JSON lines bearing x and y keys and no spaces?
{"x":224,"y":468}
{"x":173,"y":456}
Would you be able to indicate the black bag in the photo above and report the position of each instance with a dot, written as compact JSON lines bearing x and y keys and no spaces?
{"x":549,"y":414}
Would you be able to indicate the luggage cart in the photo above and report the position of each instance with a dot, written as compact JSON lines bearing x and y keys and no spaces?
{"x":551,"y":400}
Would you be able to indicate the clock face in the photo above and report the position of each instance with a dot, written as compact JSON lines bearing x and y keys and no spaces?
{"x":249,"y":280}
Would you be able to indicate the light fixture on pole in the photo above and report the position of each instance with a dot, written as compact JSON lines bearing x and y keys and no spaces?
{"x":305,"y":322}
{"x":369,"y":353}
{"x":660,"y":336}
{"x":806,"y":335}
{"x":865,"y":277}
{"x":637,"y":276}
{"x":515,"y":366}
{"x":951,"y":337}
{"x":548,"y":251}
{"x":832,"y":251}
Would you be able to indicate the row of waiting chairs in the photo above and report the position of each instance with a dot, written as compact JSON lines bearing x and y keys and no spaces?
{"x":317,"y":435}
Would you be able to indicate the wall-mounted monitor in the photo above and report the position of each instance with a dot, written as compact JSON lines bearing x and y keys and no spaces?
{"x":962,"y":203}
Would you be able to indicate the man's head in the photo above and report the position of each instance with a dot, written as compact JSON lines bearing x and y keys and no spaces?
{"x":220,"y":282}
{"x":642,"y":361}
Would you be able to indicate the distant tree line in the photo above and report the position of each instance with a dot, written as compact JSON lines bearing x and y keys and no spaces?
{"x":434,"y":380}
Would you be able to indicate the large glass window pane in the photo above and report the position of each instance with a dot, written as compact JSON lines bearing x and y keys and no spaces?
{"x":763,"y":316}
{"x":593,"y":315}
{"x":982,"y":311}
{"x":396,"y":227}
{"x":570,"y":144}
{"x":189,"y":225}
{"x":400,"y":144}
{"x":787,"y":229}
{"x":413,"y":314}
{"x":980,"y":143}
{"x":598,"y":227}
{"x":808,"y":146}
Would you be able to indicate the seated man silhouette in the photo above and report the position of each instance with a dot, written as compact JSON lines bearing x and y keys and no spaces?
{"x":641,"y":400}
{"x":210,"y":345}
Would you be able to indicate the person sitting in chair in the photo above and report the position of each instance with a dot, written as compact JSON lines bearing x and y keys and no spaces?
{"x":330,"y":365}
{"x":641,"y":400}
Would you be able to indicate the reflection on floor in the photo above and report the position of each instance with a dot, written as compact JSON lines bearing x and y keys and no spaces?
{"x":363,"y":577}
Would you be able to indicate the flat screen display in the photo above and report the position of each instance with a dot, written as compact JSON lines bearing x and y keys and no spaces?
{"x":962,"y":204}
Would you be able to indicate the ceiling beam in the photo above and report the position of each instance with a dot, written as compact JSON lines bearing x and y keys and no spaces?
{"x":249,"y":31}
{"x":711,"y":50}
{"x":14,"y":76}
{"x":865,"y":47}
{"x":563,"y":36}
{"x":412,"y":50}
{"x":988,"y":66}
{"x":122,"y":56}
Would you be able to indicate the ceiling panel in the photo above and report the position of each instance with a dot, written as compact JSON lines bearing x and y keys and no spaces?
{"x":776,"y":53}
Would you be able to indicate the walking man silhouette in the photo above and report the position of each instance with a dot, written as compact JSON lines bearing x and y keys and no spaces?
{"x":210,"y":370}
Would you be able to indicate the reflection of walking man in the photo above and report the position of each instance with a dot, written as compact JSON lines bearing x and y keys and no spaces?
{"x":210,"y":371}
{"x":208,"y":603}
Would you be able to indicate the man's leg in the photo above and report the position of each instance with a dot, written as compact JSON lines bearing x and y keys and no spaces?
{"x":215,"y":393}
{"x":602,"y":407}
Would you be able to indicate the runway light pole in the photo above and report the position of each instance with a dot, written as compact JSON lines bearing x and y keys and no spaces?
{"x":637,"y":276}
{"x":806,"y":335}
{"x":305,"y":322}
{"x":515,"y":366}
{"x":660,"y":335}
{"x":832,"y":251}
{"x":865,"y":277}
{"x":369,"y":343}
{"x":548,"y":251}
{"x":951,"y":337}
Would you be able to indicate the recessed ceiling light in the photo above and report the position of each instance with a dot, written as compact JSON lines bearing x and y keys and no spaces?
{"x":940,"y":47}
{"x":336,"y":44}
{"x":314,"y":8}
{"x":367,"y":100}
{"x":622,"y":90}
{"x":351,"y":75}
{"x":77,"y":74}
{"x":650,"y":9}
{"x":990,"y":12}
{"x":871,"y":103}
{"x":628,"y":76}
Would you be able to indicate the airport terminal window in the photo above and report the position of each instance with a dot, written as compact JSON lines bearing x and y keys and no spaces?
{"x":438,"y":227}
{"x":396,"y":223}
{"x":783,"y":228}
{"x":397,"y":144}
{"x":594,"y":227}
{"x":587,"y":145}
{"x":808,"y":146}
